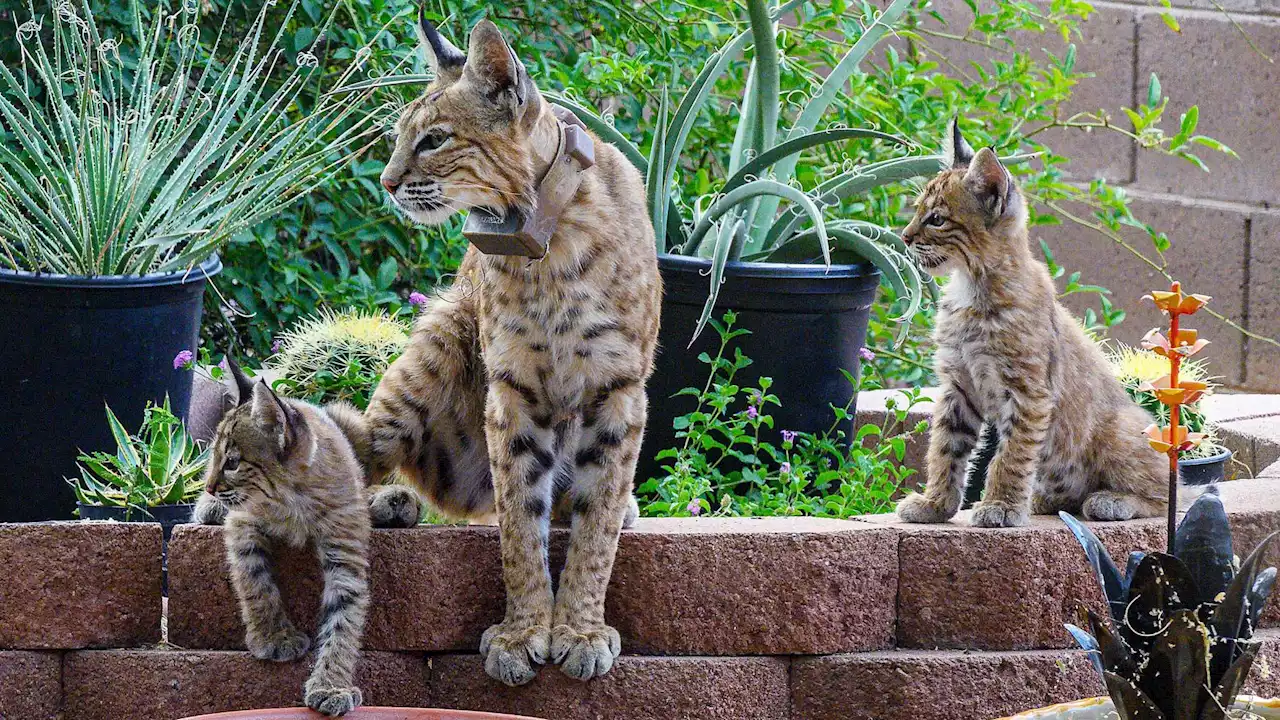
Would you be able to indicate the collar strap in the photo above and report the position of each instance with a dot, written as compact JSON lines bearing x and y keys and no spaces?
{"x":529,"y":235}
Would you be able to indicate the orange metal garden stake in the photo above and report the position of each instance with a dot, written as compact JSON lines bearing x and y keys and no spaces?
{"x":1174,"y":418}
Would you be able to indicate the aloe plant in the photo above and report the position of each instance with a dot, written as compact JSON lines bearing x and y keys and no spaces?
{"x":759,"y":213}
{"x":143,"y":154}
{"x":1178,"y":643}
{"x":161,"y":465}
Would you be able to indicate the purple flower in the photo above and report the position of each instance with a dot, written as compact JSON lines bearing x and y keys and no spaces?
{"x":417,"y":299}
{"x":183,"y":360}
{"x":275,"y":346}
{"x":866,"y":355}
{"x":225,"y":367}
{"x":788,"y":436}
{"x":752,"y":412}
{"x":694,"y":508}
{"x":785,"y":468}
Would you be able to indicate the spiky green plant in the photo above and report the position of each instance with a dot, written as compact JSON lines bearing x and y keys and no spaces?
{"x":338,"y":355}
{"x":139,"y":154}
{"x":161,"y":465}
{"x":1134,"y":367}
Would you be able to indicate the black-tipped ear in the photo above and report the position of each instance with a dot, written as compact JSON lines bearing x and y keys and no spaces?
{"x":493,"y":65}
{"x":244,"y":386}
{"x":990,"y":183}
{"x":271,"y":414}
{"x":445,"y":59}
{"x":958,"y":151}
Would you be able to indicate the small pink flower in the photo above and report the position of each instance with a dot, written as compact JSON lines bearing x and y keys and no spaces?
{"x":275,"y":346}
{"x":788,"y":436}
{"x":183,"y":360}
{"x":694,"y":508}
{"x":866,"y":355}
{"x":225,"y":367}
{"x":417,"y":299}
{"x":786,"y":468}
{"x":752,"y":412}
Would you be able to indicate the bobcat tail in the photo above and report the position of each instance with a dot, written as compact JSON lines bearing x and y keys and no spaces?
{"x":353,"y":425}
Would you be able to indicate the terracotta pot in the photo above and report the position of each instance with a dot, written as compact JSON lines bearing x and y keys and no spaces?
{"x":1101,"y":708}
{"x":361,"y":713}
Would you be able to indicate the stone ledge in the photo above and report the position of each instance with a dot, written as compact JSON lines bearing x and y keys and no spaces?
{"x":705,"y":587}
{"x":71,"y":585}
{"x":30,"y":685}
{"x":638,"y":688}
{"x":167,"y":684}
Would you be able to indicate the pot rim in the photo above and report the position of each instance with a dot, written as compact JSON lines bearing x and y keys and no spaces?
{"x":1220,"y":457}
{"x":739,"y":268}
{"x":371,"y":712}
{"x":210,"y":267}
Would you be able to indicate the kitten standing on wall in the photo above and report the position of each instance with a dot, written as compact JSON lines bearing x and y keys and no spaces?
{"x":283,"y":471}
{"x":1011,"y":358}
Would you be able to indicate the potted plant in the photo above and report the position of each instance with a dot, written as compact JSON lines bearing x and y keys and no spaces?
{"x":757,"y":241}
{"x":128,"y":162}
{"x":154,"y":476}
{"x":1138,"y":367}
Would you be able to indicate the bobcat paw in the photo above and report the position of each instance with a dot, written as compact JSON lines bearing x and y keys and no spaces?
{"x":998,"y":514}
{"x":587,"y":654}
{"x":209,"y":510}
{"x":394,"y":506}
{"x":916,"y":508}
{"x":511,"y":652}
{"x":632,"y":512}
{"x":1107,"y":505}
{"x":285,"y":645}
{"x":332,"y":701}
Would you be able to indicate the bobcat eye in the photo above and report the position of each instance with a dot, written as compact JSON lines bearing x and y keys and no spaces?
{"x":432,"y":141}
{"x":933,"y":219}
{"x":231,"y":464}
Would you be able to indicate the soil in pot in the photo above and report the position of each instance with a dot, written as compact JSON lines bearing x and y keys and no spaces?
{"x":71,"y":345}
{"x":807,"y":323}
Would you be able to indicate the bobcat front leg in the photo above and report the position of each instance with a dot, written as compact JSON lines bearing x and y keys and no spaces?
{"x":522,"y":464}
{"x":343,"y":555}
{"x":1022,"y":423}
{"x":951,"y":439}
{"x":604,"y":469}
{"x":269,"y":634}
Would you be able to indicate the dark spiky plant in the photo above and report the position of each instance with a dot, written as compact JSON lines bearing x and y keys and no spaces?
{"x":1179,"y":641}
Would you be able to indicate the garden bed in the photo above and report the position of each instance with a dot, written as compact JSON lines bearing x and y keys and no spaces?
{"x":778,"y":618}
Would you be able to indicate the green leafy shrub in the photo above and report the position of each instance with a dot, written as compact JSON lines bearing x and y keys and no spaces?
{"x":730,"y":464}
{"x":337,"y":355}
{"x":161,"y":465}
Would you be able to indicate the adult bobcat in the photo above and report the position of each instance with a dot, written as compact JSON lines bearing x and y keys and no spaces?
{"x":522,"y":389}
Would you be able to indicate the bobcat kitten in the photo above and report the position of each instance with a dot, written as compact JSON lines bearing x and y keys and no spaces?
{"x":1065,"y":434}
{"x":521,"y":391}
{"x":283,"y":471}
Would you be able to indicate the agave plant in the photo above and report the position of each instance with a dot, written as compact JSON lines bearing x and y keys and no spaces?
{"x":161,"y":465}
{"x":146,"y":153}
{"x":741,"y":220}
{"x":1178,"y":642}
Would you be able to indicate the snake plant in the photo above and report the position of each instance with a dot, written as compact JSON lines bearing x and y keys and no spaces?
{"x":1179,"y":642}
{"x":759,"y":213}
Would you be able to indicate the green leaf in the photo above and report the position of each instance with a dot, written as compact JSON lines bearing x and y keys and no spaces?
{"x":1153,"y":91}
{"x":1171,"y":22}
{"x":124,"y":443}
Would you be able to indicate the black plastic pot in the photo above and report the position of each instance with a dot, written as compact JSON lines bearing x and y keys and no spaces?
{"x":1205,"y":471}
{"x":807,"y":324}
{"x":71,"y":345}
{"x":168,"y":516}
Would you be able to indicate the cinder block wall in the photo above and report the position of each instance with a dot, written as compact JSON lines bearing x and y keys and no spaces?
{"x":1225,"y":224}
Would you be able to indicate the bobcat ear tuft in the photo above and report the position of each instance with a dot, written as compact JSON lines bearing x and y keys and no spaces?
{"x":958,"y":151}
{"x":990,"y":183}
{"x":493,"y":65}
{"x":445,"y":60}
{"x":244,"y":386}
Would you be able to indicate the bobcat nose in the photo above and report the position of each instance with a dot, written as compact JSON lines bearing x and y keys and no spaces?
{"x":908,"y":237}
{"x":390,"y":185}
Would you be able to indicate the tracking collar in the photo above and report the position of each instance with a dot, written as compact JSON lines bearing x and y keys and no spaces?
{"x":528,"y":235}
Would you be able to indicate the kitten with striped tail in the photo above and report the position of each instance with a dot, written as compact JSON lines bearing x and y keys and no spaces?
{"x":283,"y":471}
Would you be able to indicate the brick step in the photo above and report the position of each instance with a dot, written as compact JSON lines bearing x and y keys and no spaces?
{"x":881,"y":685}
{"x":699,"y":587}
